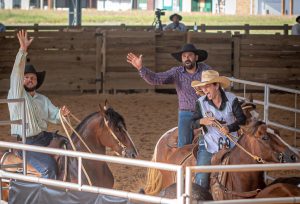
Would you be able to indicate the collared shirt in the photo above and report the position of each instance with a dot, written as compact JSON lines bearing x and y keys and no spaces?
{"x":181,"y":78}
{"x":39,"y":109}
{"x":179,"y":27}
{"x":230,"y":114}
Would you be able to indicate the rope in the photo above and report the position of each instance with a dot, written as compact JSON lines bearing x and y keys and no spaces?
{"x":62,"y":120}
{"x":229,"y":136}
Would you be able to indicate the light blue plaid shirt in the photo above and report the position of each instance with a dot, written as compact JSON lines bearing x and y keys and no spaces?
{"x":39,"y":109}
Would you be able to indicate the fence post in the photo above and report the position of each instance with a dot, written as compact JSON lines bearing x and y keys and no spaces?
{"x":285,"y":29}
{"x":266,"y":104}
{"x":103,"y":50}
{"x":247,"y":29}
{"x":236,"y":58}
{"x":99,"y":77}
{"x":203,"y":28}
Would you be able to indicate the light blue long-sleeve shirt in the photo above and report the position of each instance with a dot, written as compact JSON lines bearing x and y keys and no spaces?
{"x":39,"y":109}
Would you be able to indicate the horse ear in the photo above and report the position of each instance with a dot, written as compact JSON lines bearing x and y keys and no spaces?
{"x":106,"y":104}
{"x":262,"y":130}
{"x":102,"y":110}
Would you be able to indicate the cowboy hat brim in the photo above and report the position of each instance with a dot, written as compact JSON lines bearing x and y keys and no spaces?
{"x":175,"y":14}
{"x":40,"y":78}
{"x":224,"y":82}
{"x":202,"y":55}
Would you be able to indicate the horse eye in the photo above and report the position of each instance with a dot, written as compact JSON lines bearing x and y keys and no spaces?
{"x":265,"y":137}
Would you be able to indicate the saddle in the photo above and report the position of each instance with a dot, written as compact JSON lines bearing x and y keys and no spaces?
{"x":11,"y":162}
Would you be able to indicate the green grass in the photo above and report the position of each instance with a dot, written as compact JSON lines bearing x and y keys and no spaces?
{"x":93,"y":17}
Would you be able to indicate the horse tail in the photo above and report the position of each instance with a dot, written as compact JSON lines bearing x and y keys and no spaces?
{"x":154,"y":181}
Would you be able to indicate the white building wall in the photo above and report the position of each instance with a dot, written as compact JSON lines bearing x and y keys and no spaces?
{"x":228,"y":8}
{"x":8,"y":4}
{"x":271,"y":7}
{"x":114,"y":5}
{"x":25,"y":4}
{"x":187,"y":6}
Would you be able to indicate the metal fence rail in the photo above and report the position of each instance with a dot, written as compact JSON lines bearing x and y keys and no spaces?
{"x":97,"y":157}
{"x":267,"y":104}
{"x":239,"y":168}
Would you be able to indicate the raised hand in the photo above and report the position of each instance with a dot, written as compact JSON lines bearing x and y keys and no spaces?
{"x":23,"y":40}
{"x":136,"y":61}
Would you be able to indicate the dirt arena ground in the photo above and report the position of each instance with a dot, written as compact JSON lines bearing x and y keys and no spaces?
{"x":148,"y":116}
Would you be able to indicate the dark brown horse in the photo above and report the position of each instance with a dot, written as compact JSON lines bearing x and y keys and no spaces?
{"x":166,"y":151}
{"x":99,"y":130}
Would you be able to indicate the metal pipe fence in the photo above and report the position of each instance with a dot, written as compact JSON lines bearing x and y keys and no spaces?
{"x":97,"y":157}
{"x":238,"y":168}
{"x":267,"y":104}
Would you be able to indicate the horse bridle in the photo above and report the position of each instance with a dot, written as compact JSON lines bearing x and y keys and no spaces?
{"x":116,"y":138}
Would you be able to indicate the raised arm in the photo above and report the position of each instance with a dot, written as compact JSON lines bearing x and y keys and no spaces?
{"x":17,"y":75}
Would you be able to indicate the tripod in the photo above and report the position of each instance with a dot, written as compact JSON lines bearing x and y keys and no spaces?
{"x":157,"y":23}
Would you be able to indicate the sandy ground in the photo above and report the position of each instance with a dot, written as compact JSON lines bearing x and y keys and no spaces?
{"x":147,"y":115}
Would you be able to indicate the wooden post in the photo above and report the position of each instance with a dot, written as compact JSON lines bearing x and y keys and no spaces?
{"x":247,"y":29}
{"x":236,"y":58}
{"x":103,"y":60}
{"x":291,"y":7}
{"x":99,"y":76}
{"x":203,"y":28}
{"x":283,"y":7}
{"x":286,"y":29}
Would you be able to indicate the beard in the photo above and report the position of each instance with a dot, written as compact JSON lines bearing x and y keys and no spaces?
{"x":29,"y":89}
{"x":189,"y":64}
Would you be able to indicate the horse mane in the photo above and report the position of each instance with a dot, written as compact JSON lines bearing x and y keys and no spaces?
{"x":253,"y":126}
{"x":84,"y":121}
{"x":114,"y":117}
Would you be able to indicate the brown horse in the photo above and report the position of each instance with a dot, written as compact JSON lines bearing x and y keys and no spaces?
{"x":99,"y":130}
{"x":257,"y":145}
{"x":166,"y":151}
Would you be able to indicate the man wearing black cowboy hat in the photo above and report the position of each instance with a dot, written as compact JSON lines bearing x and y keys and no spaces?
{"x":182,"y":76}
{"x":24,"y":81}
{"x":296,"y":27}
{"x":175,"y":25}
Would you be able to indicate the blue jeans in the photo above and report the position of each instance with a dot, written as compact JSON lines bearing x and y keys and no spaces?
{"x":185,"y":131}
{"x":43,"y":163}
{"x":203,"y":158}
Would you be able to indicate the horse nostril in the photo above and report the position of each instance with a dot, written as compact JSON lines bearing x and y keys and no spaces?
{"x":293,"y":157}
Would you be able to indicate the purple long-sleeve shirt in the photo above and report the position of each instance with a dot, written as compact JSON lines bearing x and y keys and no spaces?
{"x":181,"y":78}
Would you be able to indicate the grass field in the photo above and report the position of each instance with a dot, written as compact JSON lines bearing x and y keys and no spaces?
{"x":93,"y":17}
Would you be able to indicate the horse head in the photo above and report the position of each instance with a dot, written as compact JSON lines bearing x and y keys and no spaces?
{"x":119,"y":140}
{"x":268,"y":146}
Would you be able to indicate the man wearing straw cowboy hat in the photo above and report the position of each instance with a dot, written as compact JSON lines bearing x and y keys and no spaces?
{"x":214,"y":104}
{"x":175,"y":25}
{"x":24,"y":81}
{"x":182,"y":76}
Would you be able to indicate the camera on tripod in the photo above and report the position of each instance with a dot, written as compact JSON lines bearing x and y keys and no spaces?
{"x":159,"y":12}
{"x":157,"y":22}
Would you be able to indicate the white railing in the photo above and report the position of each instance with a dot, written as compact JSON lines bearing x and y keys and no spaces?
{"x":267,"y":104}
{"x":97,"y":157}
{"x":239,"y":168}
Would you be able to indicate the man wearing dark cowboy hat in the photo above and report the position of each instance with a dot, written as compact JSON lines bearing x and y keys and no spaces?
{"x":214,"y":104}
{"x":182,"y":76}
{"x":296,"y":27}
{"x":24,"y":81}
{"x":175,"y":25}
